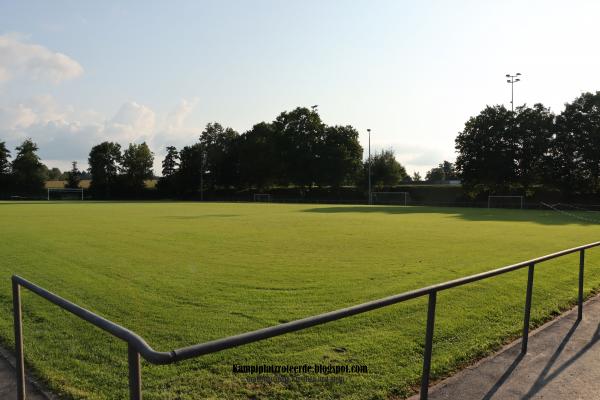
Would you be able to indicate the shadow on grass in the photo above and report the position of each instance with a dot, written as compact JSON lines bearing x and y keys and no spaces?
{"x":545,"y":217}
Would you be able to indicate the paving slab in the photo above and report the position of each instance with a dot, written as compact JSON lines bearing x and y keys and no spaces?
{"x":8,"y":381}
{"x":562,"y":362}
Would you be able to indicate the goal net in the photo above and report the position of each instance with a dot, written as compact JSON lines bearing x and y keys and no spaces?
{"x":575,"y":211}
{"x":397,"y":198}
{"x":64,"y":194}
{"x":505,"y":202}
{"x":262,"y":197}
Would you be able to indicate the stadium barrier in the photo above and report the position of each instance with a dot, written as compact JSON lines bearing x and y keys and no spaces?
{"x":137,"y":346}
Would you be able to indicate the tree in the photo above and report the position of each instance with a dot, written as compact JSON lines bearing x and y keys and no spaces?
{"x":104,"y":162}
{"x":302,"y":134}
{"x":339,"y":157}
{"x":259,"y":156}
{"x":190,"y":168}
{"x":4,"y":156}
{"x":443,"y":172}
{"x":385,"y":169}
{"x":532,"y":133}
{"x":27,"y":170}
{"x":136,"y":166}
{"x":5,"y":169}
{"x":73,"y":177}
{"x":55,"y":174}
{"x":167,"y":184}
{"x":416,"y":177}
{"x":575,"y":152}
{"x":487,"y":151}
{"x":171,"y":162}
{"x":435,"y":174}
{"x":218,"y":147}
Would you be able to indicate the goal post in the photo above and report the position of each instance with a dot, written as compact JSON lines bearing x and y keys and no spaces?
{"x":71,"y":193}
{"x":262,"y":197}
{"x":391,"y":198}
{"x":498,"y":201}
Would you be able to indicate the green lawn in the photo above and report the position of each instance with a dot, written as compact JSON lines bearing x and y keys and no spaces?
{"x":184,"y":273}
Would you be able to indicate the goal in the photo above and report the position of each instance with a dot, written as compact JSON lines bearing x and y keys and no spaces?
{"x":65,"y":194}
{"x":262,"y":197}
{"x":397,"y":198}
{"x":505,"y":202}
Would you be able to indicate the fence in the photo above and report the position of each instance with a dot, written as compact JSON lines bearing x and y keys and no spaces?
{"x":137,"y":346}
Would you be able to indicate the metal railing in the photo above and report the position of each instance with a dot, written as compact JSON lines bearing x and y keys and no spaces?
{"x":137,"y":346}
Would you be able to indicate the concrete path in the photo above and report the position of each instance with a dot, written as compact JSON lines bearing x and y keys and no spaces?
{"x":562,"y":362}
{"x":8,"y":386}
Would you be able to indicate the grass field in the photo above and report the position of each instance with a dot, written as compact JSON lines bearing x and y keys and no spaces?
{"x":184,"y":273}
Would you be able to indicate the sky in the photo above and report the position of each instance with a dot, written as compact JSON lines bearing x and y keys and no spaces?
{"x":76,"y":73}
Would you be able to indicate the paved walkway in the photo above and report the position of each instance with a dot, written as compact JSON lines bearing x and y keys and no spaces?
{"x":8,"y":386}
{"x":562,"y":362}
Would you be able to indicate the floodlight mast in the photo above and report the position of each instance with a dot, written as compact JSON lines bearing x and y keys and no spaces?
{"x":512,"y":79}
{"x":370,"y":193}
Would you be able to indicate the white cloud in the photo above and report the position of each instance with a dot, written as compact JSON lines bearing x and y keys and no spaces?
{"x":132,"y":122}
{"x":16,"y":117}
{"x":65,"y":134}
{"x":176,"y":118}
{"x":20,"y":59}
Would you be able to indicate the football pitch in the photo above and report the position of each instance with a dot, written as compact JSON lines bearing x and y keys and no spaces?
{"x":181,"y":273}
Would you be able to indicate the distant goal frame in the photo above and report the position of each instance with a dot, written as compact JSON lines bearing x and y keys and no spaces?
{"x":258,"y":196}
{"x":64,"y":190}
{"x":489,"y":202}
{"x":374,"y":196}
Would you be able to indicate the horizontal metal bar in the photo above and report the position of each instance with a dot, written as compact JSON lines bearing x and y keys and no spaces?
{"x":233,"y":341}
{"x":114,"y":329}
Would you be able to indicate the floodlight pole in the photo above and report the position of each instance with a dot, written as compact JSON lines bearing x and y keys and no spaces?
{"x":370,"y":193}
{"x":512,"y":79}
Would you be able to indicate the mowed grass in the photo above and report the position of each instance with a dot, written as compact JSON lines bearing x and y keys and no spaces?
{"x":184,"y":273}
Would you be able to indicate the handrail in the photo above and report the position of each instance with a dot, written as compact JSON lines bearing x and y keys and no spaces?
{"x":138,"y":346}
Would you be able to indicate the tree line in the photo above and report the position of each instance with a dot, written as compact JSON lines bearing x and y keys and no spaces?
{"x":502,"y":151}
{"x":499,"y":151}
{"x":296,"y":149}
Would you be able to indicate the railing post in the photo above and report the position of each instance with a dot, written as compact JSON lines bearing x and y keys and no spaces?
{"x":580,"y":299}
{"x":135,"y":376}
{"x":18,"y":324}
{"x":527,"y":309}
{"x":428,"y":345}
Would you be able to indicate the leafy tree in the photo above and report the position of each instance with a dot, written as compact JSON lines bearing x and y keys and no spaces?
{"x":340,"y":156}
{"x":259,"y":156}
{"x":171,"y":161}
{"x":416,"y":177}
{"x":104,"y":160}
{"x":136,"y":166}
{"x":302,"y":134}
{"x":73,"y":177}
{"x":5,"y":169}
{"x":443,"y":172}
{"x":532,"y":133}
{"x":435,"y":174}
{"x":385,"y":169}
{"x":190,"y":168}
{"x":27,"y":170}
{"x":55,"y":174}
{"x":4,"y":156}
{"x":575,"y":152}
{"x":487,"y":151}
{"x":168,"y":182}
{"x":218,"y":146}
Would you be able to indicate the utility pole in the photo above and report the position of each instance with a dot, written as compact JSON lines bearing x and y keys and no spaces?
{"x":370,"y":195}
{"x":512,"y":79}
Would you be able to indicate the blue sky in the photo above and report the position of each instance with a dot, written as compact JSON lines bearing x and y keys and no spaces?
{"x":75,"y":73}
